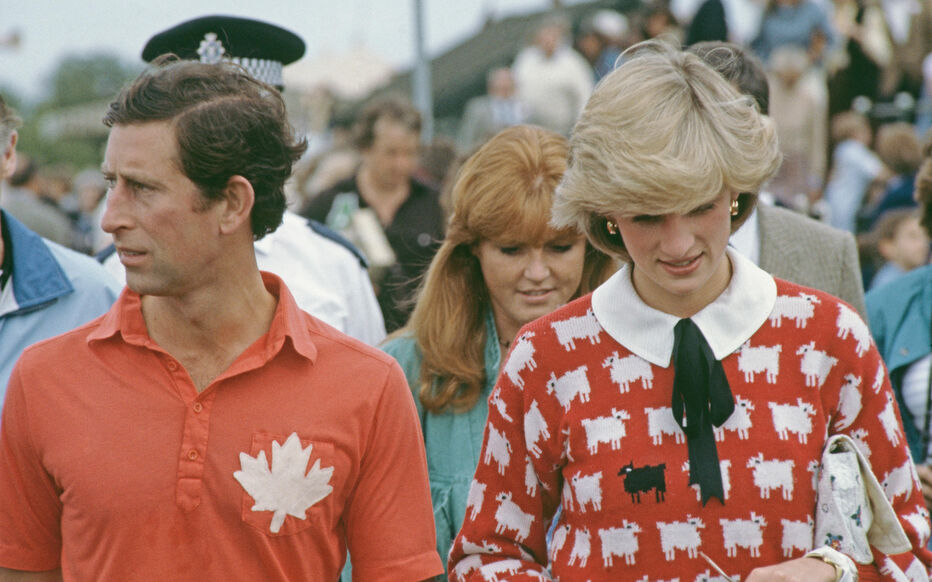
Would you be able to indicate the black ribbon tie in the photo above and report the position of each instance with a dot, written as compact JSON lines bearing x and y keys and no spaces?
{"x":701,"y":391}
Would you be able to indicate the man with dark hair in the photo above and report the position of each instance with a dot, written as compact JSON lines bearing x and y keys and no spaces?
{"x":740,"y":66}
{"x":403,"y":220}
{"x":206,"y":428}
{"x":782,"y":242}
{"x":326,"y":274}
{"x":45,"y":288}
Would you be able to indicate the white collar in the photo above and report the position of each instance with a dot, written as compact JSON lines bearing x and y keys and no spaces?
{"x":726,"y":323}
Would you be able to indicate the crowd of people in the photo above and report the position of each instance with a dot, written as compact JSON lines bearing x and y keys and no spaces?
{"x":615,"y":328}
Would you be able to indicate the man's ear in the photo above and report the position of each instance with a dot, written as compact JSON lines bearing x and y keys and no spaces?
{"x":237,"y":205}
{"x":8,"y":161}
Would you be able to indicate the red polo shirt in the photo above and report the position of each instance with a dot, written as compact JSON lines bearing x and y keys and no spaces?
{"x":115,"y":468}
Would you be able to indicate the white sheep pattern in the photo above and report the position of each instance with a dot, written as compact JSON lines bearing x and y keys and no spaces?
{"x":743,"y":533}
{"x":772,"y":474}
{"x":850,"y":323}
{"x":580,"y":327}
{"x":800,"y":308}
{"x":522,"y":356}
{"x":793,"y":418}
{"x":759,"y":359}
{"x":569,"y":386}
{"x":509,"y":516}
{"x":624,"y":371}
{"x":815,"y":364}
{"x":605,"y":429}
{"x":619,"y":541}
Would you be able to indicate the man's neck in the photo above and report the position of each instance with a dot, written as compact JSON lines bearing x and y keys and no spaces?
{"x":207,"y":330}
{"x":379,"y":188}
{"x":385,"y":199}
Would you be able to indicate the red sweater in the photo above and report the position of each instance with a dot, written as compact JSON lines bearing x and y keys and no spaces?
{"x":585,"y":423}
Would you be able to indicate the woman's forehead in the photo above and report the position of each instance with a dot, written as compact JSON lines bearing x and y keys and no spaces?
{"x":527,"y":236}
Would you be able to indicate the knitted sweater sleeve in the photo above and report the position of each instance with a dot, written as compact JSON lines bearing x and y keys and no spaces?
{"x":516,"y":487}
{"x":863,"y":406}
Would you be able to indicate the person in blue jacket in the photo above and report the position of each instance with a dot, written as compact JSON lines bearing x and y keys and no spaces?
{"x":900,"y":318}
{"x":45,"y":288}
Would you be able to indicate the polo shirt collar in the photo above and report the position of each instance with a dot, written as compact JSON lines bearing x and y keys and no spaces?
{"x":726,"y":323}
{"x":125,"y":317}
{"x":288,"y":322}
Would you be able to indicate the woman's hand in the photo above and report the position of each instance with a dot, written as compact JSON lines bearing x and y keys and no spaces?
{"x":798,"y":570}
{"x":925,"y":478}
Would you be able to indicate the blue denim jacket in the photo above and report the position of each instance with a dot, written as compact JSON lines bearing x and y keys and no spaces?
{"x":452,"y":440}
{"x":900,"y":314}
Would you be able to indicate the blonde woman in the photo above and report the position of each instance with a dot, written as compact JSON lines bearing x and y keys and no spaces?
{"x":677,"y":413}
{"x":500,"y":266}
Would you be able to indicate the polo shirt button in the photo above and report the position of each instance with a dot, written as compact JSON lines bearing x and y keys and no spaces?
{"x":172,"y":365}
{"x":904,"y":351}
{"x":198,"y":407}
{"x":192,"y":454}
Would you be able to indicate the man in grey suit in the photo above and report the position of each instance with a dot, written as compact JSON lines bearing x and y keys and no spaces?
{"x":799,"y":249}
{"x":782,"y":242}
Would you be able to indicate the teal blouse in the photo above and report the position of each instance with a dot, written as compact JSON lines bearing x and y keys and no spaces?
{"x":452,"y":440}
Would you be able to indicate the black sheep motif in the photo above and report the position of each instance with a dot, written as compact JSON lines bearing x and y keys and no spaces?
{"x":643,"y":479}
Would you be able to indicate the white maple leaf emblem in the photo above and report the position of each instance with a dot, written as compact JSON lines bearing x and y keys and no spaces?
{"x":285,"y":489}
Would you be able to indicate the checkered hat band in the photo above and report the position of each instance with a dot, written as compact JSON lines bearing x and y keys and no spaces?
{"x":269,"y":72}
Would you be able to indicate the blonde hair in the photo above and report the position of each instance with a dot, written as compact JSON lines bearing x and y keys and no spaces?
{"x":503,"y":192}
{"x":662,"y":133}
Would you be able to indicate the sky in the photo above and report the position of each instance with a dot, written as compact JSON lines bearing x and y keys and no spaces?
{"x":53,"y":29}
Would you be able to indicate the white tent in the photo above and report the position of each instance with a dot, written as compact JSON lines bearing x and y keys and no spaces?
{"x":349,"y":75}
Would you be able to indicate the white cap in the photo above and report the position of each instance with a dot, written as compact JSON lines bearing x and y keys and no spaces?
{"x":610,"y":23}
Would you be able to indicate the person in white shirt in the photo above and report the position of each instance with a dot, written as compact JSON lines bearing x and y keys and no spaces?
{"x":553,"y":80}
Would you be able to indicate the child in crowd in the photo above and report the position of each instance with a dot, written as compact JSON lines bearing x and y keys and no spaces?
{"x":899,"y":149}
{"x":854,"y":168}
{"x":901,"y":244}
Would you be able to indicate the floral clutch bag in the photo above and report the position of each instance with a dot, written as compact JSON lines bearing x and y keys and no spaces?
{"x":852,"y":512}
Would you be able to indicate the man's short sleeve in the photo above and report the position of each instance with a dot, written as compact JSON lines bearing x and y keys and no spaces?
{"x":30,"y":509}
{"x":389,"y":518}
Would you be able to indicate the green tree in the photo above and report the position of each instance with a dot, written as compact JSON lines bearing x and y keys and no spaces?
{"x":83,"y":79}
{"x":65,"y":127}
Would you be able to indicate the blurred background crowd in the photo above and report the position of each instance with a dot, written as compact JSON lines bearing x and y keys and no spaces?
{"x":850,"y":91}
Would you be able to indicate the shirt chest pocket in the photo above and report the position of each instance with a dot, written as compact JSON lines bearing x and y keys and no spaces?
{"x":288,"y":484}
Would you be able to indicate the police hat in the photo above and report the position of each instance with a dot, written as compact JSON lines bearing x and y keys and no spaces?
{"x":259,"y":47}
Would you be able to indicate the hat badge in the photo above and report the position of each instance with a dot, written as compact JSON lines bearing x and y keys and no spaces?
{"x":211,"y":49}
